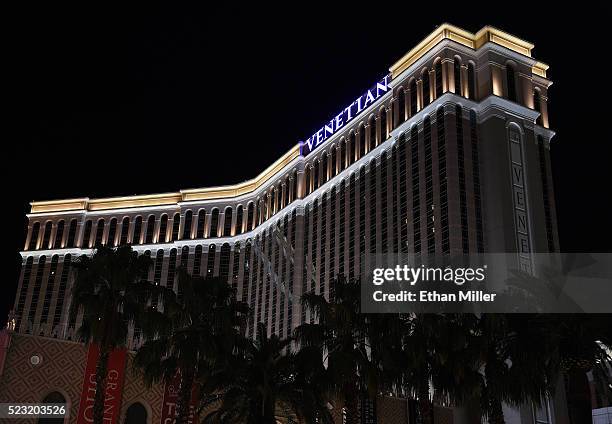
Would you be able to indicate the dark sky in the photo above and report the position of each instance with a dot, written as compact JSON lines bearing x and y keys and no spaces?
{"x":152,"y":99}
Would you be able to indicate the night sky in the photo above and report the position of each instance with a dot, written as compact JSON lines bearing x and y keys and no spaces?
{"x":153,"y":99}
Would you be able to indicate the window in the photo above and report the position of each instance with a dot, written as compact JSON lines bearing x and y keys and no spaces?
{"x":201,"y":223}
{"x":334,"y":160}
{"x":187,"y":225}
{"x":354,"y":147}
{"x":112,"y":231}
{"x":383,"y":125}
{"x":438,"y":75}
{"x":342,"y":155}
{"x":150,"y":230}
{"x":210,"y":267}
{"x":176,"y":225}
{"x":71,"y":233}
{"x":59,"y":234}
{"x":137,"y":230}
{"x":315,"y":182}
{"x":239,"y":214}
{"x":214,"y":223}
{"x":125,"y":231}
{"x":425,"y":86}
{"x":34,"y":236}
{"x":100,"y":232}
{"x":416,"y":199}
{"x":401,"y":106}
{"x":224,"y":261}
{"x":197,"y":260}
{"x":307,"y":181}
{"x":511,"y":82}
{"x":443,"y":180}
{"x":471,"y":82}
{"x":86,"y":234}
{"x":324,"y":168}
{"x":227,"y":227}
{"x":413,"y":97}
{"x":171,"y":269}
{"x":250,"y":221}
{"x":457,"y":75}
{"x":47,"y":235}
{"x":61,"y":295}
{"x":55,"y":397}
{"x":462,"y":188}
{"x":136,"y":414}
{"x":372,"y":128}
{"x":163,"y":228}
{"x":362,"y":140}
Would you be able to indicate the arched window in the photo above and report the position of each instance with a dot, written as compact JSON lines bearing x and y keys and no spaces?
{"x":334,"y":162}
{"x":59,"y":234}
{"x":125,"y":231}
{"x":197,"y":260}
{"x":100,"y":232}
{"x":163,"y":228}
{"x":150,"y":229}
{"x":471,"y":82}
{"x":537,"y":106}
{"x":342,"y":155}
{"x":307,"y":181}
{"x":362,"y":140}
{"x":324,"y":168}
{"x":239,"y":214}
{"x":438,"y":72}
{"x":250,"y":221}
{"x":426,"y":93}
{"x":383,"y":125}
{"x":316,"y":167}
{"x":210,"y":266}
{"x":187,"y":225}
{"x":354,"y":147}
{"x":457,"y":75}
{"x":47,"y":235}
{"x":136,"y":414}
{"x":413,"y":97}
{"x":295,"y":186}
{"x":200,"y":223}
{"x":86,"y":234}
{"x":224,"y":261}
{"x":176,"y":225}
{"x":401,"y":106}
{"x":372,"y":131}
{"x":214,"y":223}
{"x":72,"y":233}
{"x":227,"y":222}
{"x":112,"y":231}
{"x":53,"y":397}
{"x":137,"y":230}
{"x":511,"y":82}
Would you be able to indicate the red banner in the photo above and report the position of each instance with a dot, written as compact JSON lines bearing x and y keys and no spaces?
{"x":171,"y":392}
{"x":114,"y":386}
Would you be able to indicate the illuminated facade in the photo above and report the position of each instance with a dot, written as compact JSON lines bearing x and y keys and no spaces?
{"x":450,"y":155}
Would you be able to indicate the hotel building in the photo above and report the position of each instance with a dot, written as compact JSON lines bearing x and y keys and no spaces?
{"x":447,"y":154}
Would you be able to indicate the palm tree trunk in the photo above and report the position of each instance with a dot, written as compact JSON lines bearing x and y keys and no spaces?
{"x":351,"y":406}
{"x":184,"y":397}
{"x":101,"y":371}
{"x":425,"y":405}
{"x":496,"y":415}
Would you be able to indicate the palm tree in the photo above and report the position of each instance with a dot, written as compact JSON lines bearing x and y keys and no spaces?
{"x":110,"y":290}
{"x":264,"y":383}
{"x":338,"y":334}
{"x":196,"y":330}
{"x":521,"y":361}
